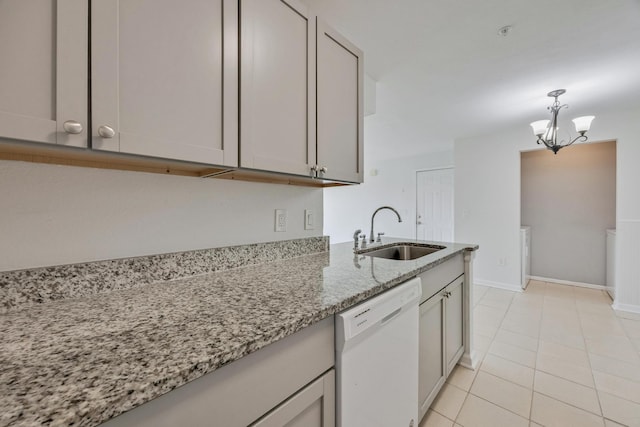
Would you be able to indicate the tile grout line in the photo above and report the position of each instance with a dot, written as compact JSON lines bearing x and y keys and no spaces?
{"x":567,"y":403}
{"x":595,"y":386}
{"x":455,"y":421}
{"x":439,"y":413}
{"x":601,"y":415}
{"x":626,"y":332}
{"x":536,"y":362}
{"x":493,"y":339}
{"x":503,"y":379}
{"x":501,"y":407}
{"x":533,"y":386}
{"x":488,"y":373}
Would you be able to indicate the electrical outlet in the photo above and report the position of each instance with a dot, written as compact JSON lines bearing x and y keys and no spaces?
{"x":309,"y":219}
{"x":281,"y":220}
{"x":502,"y":262}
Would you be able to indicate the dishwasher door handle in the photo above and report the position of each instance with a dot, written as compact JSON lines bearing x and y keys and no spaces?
{"x":390,"y":316}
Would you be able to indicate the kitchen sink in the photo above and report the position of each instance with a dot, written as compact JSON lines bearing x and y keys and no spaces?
{"x":403,"y":251}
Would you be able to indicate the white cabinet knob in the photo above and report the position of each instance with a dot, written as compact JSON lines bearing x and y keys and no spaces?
{"x":106,"y":131}
{"x":317,"y":170}
{"x":72,"y":127}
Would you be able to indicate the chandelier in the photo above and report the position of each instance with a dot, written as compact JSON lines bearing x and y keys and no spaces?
{"x":547,"y":130}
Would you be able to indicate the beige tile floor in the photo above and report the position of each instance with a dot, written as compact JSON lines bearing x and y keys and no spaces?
{"x":554,"y":355}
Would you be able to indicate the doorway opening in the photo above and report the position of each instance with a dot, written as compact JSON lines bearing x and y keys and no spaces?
{"x":569,"y":202}
{"x":434,"y":205}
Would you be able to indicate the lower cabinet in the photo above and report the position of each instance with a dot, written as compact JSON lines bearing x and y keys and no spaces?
{"x":289,"y":382}
{"x":454,"y":332}
{"x":431,"y":363}
{"x":441,"y":340}
{"x":313,"y":406}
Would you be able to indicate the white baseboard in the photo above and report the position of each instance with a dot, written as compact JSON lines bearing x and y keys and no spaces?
{"x":505,"y":286}
{"x":568,"y":282}
{"x":470,"y":360}
{"x":629,"y":308}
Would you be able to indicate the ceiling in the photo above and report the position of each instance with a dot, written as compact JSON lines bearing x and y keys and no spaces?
{"x":443,"y":72}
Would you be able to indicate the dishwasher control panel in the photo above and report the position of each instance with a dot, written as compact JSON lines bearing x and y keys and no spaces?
{"x":379,"y":309}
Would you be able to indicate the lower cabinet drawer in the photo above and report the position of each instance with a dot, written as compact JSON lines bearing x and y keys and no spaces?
{"x":440,"y":276}
{"x":313,"y":406}
{"x":242,"y":392}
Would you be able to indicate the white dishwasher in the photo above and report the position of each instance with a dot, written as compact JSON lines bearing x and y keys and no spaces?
{"x":377,"y":360}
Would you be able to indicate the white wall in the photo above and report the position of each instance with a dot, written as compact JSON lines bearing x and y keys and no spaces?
{"x":487,"y":200}
{"x":569,"y":201}
{"x":349,"y":208}
{"x":54,"y":215}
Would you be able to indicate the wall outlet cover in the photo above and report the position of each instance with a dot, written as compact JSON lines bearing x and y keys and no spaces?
{"x":281,"y":220}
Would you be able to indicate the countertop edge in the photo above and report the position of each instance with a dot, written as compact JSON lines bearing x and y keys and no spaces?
{"x":209,"y":366}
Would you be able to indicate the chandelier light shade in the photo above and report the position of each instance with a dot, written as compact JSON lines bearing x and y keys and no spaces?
{"x":547,"y":130}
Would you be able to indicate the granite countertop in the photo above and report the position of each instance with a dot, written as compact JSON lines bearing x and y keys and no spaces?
{"x":84,"y":360}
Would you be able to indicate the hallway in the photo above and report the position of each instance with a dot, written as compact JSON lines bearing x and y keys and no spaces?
{"x":554,"y":355}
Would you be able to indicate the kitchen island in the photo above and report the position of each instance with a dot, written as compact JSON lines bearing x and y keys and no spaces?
{"x":84,"y":360}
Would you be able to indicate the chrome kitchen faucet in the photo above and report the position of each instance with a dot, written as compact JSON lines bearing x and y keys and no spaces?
{"x":371,"y":238}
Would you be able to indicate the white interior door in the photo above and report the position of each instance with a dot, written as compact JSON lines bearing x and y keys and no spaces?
{"x":434,"y":207}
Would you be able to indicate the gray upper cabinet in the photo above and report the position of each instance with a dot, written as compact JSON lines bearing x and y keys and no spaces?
{"x":43,"y":76}
{"x":257,"y":84}
{"x":277,"y":89}
{"x":164,"y":79}
{"x":340,"y":78}
{"x":301,"y":93}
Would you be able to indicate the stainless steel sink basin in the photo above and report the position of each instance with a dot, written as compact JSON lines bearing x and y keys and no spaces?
{"x":404,"y":252}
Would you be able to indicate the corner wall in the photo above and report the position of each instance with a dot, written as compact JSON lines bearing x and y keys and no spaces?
{"x":347,"y":209}
{"x":53,"y":215}
{"x":569,"y":200}
{"x":487,"y":197}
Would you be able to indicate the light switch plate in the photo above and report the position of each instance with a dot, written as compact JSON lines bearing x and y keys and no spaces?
{"x":309,"y":219}
{"x":281,"y":220}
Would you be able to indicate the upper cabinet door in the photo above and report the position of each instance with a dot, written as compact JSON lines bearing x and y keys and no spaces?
{"x":43,"y":75}
{"x":340,"y":76}
{"x":277,"y":93}
{"x":164,"y":78}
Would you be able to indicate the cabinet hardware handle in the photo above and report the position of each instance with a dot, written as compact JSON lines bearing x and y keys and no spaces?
{"x":323,"y":169}
{"x":72,"y":127}
{"x":106,"y":131}
{"x":389,"y":316}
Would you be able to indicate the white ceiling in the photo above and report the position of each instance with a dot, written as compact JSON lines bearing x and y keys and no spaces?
{"x":443,"y":72}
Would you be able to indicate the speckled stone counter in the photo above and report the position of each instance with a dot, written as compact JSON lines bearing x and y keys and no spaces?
{"x":26,"y":287}
{"x":81,"y":361}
